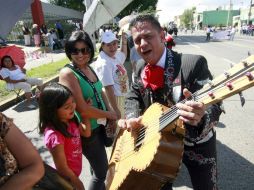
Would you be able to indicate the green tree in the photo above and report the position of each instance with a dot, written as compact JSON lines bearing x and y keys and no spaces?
{"x":71,"y":4}
{"x":144,"y":6}
{"x":187,"y":17}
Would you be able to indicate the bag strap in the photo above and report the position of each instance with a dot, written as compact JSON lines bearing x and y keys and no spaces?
{"x":78,"y":71}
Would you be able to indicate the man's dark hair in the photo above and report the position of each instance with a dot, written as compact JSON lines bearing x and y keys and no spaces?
{"x":146,"y":18}
{"x":79,"y":36}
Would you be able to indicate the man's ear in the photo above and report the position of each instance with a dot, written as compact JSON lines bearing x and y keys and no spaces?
{"x":162,"y":36}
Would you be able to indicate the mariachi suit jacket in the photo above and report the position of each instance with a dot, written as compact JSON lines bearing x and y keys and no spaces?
{"x":192,"y":72}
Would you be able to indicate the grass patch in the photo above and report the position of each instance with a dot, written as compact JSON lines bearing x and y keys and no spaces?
{"x":44,"y":71}
{"x":48,"y":70}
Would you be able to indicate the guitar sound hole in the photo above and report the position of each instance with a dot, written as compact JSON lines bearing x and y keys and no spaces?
{"x":140,"y":138}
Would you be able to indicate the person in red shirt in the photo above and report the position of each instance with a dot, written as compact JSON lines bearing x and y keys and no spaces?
{"x":169,"y":40}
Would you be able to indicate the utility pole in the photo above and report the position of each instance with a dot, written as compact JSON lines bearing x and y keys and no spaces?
{"x":229,"y":10}
{"x":249,"y":14}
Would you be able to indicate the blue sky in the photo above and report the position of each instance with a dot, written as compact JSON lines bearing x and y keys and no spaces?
{"x":169,"y":8}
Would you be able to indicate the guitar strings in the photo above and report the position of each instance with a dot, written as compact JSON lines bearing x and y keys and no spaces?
{"x":171,"y":112}
{"x":146,"y":132}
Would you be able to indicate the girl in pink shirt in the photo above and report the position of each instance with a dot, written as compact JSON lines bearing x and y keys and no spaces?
{"x":62,"y":131}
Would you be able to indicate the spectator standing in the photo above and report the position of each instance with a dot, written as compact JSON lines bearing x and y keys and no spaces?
{"x":26,"y":33}
{"x":36,"y":35}
{"x":44,"y":29}
{"x":60,"y":32}
{"x":101,"y":31}
{"x":170,"y":40}
{"x":111,"y":71}
{"x":232,"y":33}
{"x":80,"y":78}
{"x":208,"y":33}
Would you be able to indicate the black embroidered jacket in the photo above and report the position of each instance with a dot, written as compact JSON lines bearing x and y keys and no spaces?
{"x":194,"y":73}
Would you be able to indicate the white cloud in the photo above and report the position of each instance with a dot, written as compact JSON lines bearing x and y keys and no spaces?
{"x":167,"y":9}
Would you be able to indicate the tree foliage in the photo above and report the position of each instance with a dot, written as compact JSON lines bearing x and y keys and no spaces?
{"x":140,"y":6}
{"x":187,"y":17}
{"x":71,"y":4}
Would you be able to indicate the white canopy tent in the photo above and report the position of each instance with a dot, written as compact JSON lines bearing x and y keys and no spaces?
{"x":101,"y":12}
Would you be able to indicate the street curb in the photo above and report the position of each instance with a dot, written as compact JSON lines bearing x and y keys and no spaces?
{"x":4,"y":105}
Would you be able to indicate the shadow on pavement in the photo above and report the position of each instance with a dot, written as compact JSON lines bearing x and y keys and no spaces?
{"x":21,"y":107}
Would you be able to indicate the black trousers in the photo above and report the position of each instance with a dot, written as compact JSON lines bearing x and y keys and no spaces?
{"x":201,"y":162}
{"x":95,"y":152}
{"x":208,"y":36}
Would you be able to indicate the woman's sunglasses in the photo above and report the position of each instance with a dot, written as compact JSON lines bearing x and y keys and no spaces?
{"x":84,"y":51}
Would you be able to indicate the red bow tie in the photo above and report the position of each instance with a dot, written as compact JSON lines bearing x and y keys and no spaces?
{"x":153,"y":76}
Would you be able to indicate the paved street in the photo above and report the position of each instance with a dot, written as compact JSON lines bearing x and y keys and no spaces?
{"x":234,"y":132}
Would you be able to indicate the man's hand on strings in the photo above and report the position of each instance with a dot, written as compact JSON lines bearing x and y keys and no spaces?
{"x":130,"y":124}
{"x":190,"y":112}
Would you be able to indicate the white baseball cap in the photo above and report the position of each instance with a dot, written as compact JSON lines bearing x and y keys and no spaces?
{"x":108,"y":37}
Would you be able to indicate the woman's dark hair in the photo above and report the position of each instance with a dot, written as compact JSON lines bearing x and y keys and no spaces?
{"x":100,"y":49}
{"x":5,"y":57}
{"x":51,"y":99}
{"x":146,"y":18}
{"x":78,"y":36}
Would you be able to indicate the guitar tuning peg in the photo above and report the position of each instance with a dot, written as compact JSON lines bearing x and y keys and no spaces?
{"x":242,"y":99}
{"x":231,"y":65}
{"x":245,"y":63}
{"x":229,"y":85}
{"x":211,"y":94}
{"x":249,"y":54}
{"x":250,"y":76}
{"x":227,"y":75}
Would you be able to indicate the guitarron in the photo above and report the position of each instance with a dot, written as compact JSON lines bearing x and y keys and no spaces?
{"x":150,"y":156}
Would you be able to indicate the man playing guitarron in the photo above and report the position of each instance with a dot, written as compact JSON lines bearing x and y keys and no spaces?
{"x":167,"y":77}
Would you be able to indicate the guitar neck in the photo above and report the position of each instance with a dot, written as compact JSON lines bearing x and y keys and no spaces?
{"x":237,"y":79}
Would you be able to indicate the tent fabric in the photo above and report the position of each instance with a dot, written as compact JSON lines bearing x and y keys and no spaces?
{"x":10,"y":12}
{"x":16,"y":53}
{"x":125,"y":20}
{"x":101,"y":12}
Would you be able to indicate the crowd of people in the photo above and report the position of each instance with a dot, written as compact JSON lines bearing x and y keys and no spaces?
{"x":42,"y":36}
{"x":93,"y":97}
{"x":247,"y":29}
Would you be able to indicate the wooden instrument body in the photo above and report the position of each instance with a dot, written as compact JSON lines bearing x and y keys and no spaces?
{"x":151,"y":164}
